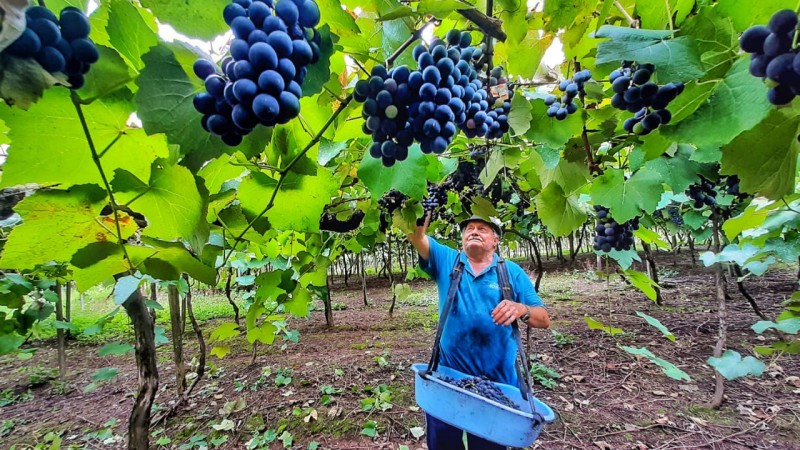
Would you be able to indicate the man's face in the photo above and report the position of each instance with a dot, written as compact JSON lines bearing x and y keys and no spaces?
{"x":479,"y":237}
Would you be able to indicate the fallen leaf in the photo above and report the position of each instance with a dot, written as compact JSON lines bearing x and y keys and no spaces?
{"x":593,"y":355}
{"x":603,"y":445}
{"x":689,"y":388}
{"x":660,"y":393}
{"x":698,"y":421}
{"x":663,"y":420}
{"x":794,"y":381}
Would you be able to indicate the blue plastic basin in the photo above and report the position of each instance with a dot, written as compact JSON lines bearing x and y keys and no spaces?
{"x":479,"y":415}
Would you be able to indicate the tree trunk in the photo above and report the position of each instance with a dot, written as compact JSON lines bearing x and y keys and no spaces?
{"x":363,"y":279}
{"x":60,"y":337}
{"x":391,"y":274}
{"x":176,"y":320}
{"x":719,"y":390}
{"x":230,"y":299}
{"x":328,"y":305}
{"x":154,"y":292}
{"x":740,"y":284}
{"x":691,"y":249}
{"x":143,"y":326}
{"x":68,"y":307}
{"x":572,"y":246}
{"x":652,"y":271}
{"x":345,"y":270}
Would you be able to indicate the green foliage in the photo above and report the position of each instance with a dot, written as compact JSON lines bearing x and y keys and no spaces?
{"x":732,"y":366}
{"x":667,"y":367}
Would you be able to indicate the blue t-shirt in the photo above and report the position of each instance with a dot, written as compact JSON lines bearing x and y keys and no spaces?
{"x":471,"y":342}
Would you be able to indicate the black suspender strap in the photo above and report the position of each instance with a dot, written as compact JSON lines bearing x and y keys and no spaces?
{"x":455,"y":279}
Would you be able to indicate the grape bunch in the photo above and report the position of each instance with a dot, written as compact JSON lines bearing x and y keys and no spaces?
{"x":483,"y":387}
{"x":773,"y":55}
{"x":329,"y":222}
{"x":635,"y":92}
{"x":436,"y":198}
{"x":702,"y":193}
{"x":675,"y":215}
{"x":389,"y":203}
{"x":466,"y":176}
{"x":260,"y":83}
{"x":611,"y":235}
{"x":58,"y":44}
{"x":732,"y":187}
{"x":443,"y":81}
{"x":386,"y":96}
{"x":570,"y":87}
{"x":498,"y":107}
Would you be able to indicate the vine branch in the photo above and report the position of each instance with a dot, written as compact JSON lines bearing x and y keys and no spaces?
{"x":631,"y":21}
{"x":489,"y":25}
{"x":417,"y":34}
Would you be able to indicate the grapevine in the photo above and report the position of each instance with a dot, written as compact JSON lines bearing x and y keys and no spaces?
{"x":635,"y":92}
{"x":611,"y":235}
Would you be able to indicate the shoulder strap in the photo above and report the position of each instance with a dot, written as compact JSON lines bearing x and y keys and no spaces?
{"x":455,"y":279}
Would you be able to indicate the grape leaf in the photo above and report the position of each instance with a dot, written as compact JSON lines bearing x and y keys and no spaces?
{"x":519,"y":119}
{"x":667,"y":367}
{"x":563,"y":13}
{"x":627,"y":199}
{"x":677,"y":172}
{"x":320,"y":72}
{"x":765,"y":157}
{"x":403,"y":176}
{"x":170,"y":202}
{"x":131,"y":31}
{"x":732,"y":366}
{"x":195,"y":18}
{"x":656,"y":15}
{"x":657,"y":324}
{"x":676,"y":59}
{"x":115,"y":349}
{"x":299,"y":204}
{"x":595,"y":325}
{"x":97,"y":262}
{"x":56,"y":224}
{"x":745,"y":14}
{"x":560,"y":213}
{"x":738,"y":103}
{"x":750,"y":218}
{"x":168,"y":260}
{"x":533,"y":46}
{"x":341,"y":22}
{"x":23,"y":81}
{"x":48,"y":145}
{"x":791,"y":326}
{"x":220,"y":170}
{"x":643,"y":283}
{"x":109,"y":74}
{"x":549,"y":131}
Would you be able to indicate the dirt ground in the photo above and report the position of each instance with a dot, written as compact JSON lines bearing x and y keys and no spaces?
{"x":605,"y":398}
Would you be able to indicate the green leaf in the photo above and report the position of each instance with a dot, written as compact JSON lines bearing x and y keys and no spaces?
{"x":170,"y":202}
{"x":115,"y":349}
{"x":771,"y":170}
{"x":340,"y":21}
{"x":751,"y":217}
{"x":677,"y":172}
{"x":739,"y":102}
{"x":745,"y":14}
{"x":220,"y":170}
{"x":533,"y":46}
{"x":56,"y":224}
{"x":643,"y":283}
{"x":656,"y":323}
{"x":264,"y":333}
{"x":220,"y":351}
{"x":165,"y":105}
{"x":677,"y":59}
{"x":624,"y":258}
{"x":111,"y":73}
{"x":520,"y":116}
{"x":790,"y":326}
{"x":563,"y":13}
{"x":130,"y":33}
{"x":328,"y":150}
{"x":105,"y":374}
{"x":667,"y":367}
{"x":224,"y":332}
{"x":200,"y":19}
{"x":595,"y":325}
{"x":732,"y":366}
{"x":560,"y":213}
{"x":402,"y":177}
{"x":299,"y":203}
{"x":549,"y":131}
{"x":125,"y":287}
{"x":319,"y":73}
{"x":168,"y":260}
{"x":10,"y":343}
{"x":370,"y":428}
{"x":627,"y":199}
{"x":651,"y":237}
{"x":441,"y":8}
{"x":659,"y":14}
{"x":298,"y":304}
{"x":48,"y":145}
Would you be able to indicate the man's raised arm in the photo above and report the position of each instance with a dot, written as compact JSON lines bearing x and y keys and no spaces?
{"x":420,"y":240}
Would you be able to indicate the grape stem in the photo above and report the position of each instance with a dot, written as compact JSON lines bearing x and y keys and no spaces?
{"x":417,"y":34}
{"x":489,"y":25}
{"x":285,"y":171}
{"x":593,"y":167}
{"x":96,"y":158}
{"x":631,"y":21}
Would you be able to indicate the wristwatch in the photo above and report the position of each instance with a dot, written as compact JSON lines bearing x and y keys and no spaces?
{"x":526,"y":316}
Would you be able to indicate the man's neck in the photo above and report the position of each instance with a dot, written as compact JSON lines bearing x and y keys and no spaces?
{"x":480,"y":261}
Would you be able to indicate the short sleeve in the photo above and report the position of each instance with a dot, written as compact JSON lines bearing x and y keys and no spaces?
{"x":441,"y":256}
{"x":524,"y":291}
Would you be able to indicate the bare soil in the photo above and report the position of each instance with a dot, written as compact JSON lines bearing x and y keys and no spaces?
{"x":605,"y":397}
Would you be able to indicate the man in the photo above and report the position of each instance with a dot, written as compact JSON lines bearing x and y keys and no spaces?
{"x":477,"y":338}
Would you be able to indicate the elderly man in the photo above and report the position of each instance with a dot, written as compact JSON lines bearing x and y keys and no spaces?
{"x":477,"y":338}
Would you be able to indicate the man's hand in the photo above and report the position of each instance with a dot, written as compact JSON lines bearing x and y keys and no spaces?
{"x":506,"y":312}
{"x":420,"y":239}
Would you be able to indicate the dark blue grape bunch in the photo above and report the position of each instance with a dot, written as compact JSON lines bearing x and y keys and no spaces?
{"x":611,"y":235}
{"x":445,"y":83}
{"x":437,"y":197}
{"x":702,"y":193}
{"x":731,"y":187}
{"x":635,"y":92}
{"x":465,"y":177}
{"x":389,"y":203}
{"x":773,"y":55}
{"x":483,"y":387}
{"x":675,"y":215}
{"x":571,"y":87}
{"x":386,"y":96}
{"x":260,"y":83}
{"x":59,"y":44}
{"x":499,"y":107}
